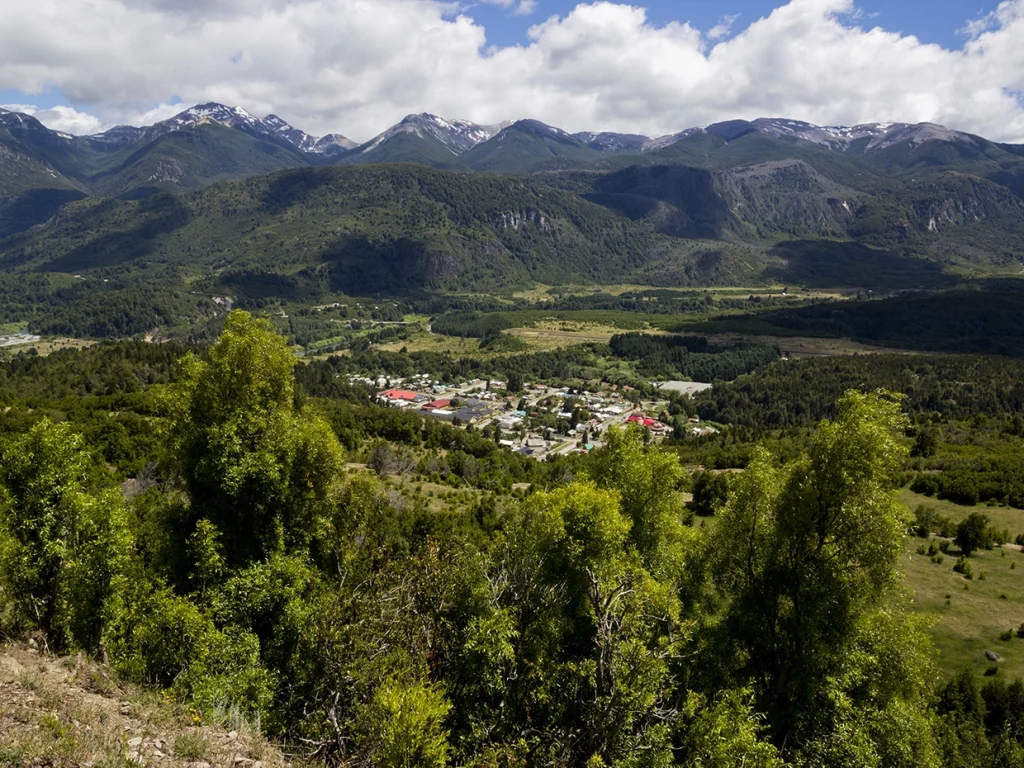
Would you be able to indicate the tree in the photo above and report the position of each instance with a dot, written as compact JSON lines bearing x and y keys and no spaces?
{"x":256,"y":467}
{"x":404,"y":726}
{"x":926,"y":442}
{"x":63,"y":549}
{"x":806,"y":555}
{"x":972,"y":533}
{"x":710,"y":492}
{"x":647,"y":480}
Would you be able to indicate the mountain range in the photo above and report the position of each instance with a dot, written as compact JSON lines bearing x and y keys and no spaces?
{"x":212,"y":142}
{"x":239,"y":205}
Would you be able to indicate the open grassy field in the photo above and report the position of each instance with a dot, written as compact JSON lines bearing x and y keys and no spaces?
{"x":551,"y":334}
{"x":542,"y":292}
{"x":807,"y":346}
{"x":434,"y":342}
{"x":970,"y":615}
{"x":1000,"y":517}
{"x":46,"y":346}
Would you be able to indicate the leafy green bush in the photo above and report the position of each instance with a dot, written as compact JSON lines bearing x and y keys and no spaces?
{"x":963,"y":567}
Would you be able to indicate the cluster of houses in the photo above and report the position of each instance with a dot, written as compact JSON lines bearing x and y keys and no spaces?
{"x":468,"y":410}
{"x":522,"y":422}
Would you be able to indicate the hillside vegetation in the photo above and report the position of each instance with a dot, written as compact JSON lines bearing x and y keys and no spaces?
{"x":588,"y":622}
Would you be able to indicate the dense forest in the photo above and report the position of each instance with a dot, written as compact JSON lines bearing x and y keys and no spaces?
{"x":587,"y":621}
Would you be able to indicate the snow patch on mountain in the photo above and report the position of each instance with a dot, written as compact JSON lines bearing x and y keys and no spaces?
{"x":613,"y":142}
{"x":457,"y":136}
{"x":839,"y":137}
{"x":667,"y":141}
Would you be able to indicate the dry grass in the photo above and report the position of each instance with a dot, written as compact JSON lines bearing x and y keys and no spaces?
{"x":72,"y":712}
{"x":47,"y":346}
{"x":808,"y":346}
{"x":434,"y":342}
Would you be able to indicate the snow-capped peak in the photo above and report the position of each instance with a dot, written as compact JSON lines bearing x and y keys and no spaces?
{"x":10,"y":119}
{"x":840,"y":137}
{"x":606,"y":141}
{"x":456,"y":135}
{"x":289,"y":133}
{"x":231,"y":117}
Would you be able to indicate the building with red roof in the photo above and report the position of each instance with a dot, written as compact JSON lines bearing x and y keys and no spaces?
{"x":435,"y":404}
{"x":399,"y":394}
{"x":641,"y":420}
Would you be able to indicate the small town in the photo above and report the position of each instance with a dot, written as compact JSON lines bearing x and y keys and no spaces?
{"x":538,"y":422}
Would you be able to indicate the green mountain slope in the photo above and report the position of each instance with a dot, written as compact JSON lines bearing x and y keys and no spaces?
{"x":404,"y":147}
{"x":389,"y":228}
{"x":30,"y":190}
{"x":406,"y":228}
{"x":528,"y":146}
{"x":189,"y":159}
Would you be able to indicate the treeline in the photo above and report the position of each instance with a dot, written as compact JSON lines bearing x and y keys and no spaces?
{"x":986,"y":321}
{"x":99,"y":308}
{"x":802,"y":392}
{"x":690,"y":358}
{"x":585,"y":624}
{"x":582,"y":361}
{"x":996,"y":479}
{"x":107,"y":368}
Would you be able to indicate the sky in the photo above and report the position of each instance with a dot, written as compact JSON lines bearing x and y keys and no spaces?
{"x":654,"y":67}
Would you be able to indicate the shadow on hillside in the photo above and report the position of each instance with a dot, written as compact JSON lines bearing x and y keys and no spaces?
{"x":363,"y":266}
{"x":989,"y":322}
{"x":156,"y":217}
{"x":34,"y":207}
{"x":293,"y":187}
{"x":829,"y":264}
{"x":261,"y":283}
{"x":679,"y":201}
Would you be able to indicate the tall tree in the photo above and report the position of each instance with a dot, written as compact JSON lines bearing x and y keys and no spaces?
{"x":256,"y":466}
{"x":807,"y":555}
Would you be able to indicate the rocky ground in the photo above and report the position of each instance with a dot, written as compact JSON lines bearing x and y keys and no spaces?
{"x":71,"y":712}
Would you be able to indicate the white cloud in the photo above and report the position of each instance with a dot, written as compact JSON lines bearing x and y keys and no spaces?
{"x":723,"y":27}
{"x":525,"y":7}
{"x":60,"y":118}
{"x":357,"y":66}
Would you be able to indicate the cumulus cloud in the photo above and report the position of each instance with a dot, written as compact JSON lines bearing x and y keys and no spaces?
{"x":357,"y":66}
{"x":60,"y":118}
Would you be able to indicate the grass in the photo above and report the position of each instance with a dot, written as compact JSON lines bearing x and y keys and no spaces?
{"x":434,"y":342}
{"x":975,"y":614}
{"x":191,"y":745}
{"x":1000,"y":517}
{"x":45,"y":347}
{"x":542,"y":292}
{"x":807,"y":346}
{"x":65,"y":712}
{"x":979,"y":610}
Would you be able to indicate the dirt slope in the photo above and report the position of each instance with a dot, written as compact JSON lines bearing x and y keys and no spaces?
{"x":70,"y":712}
